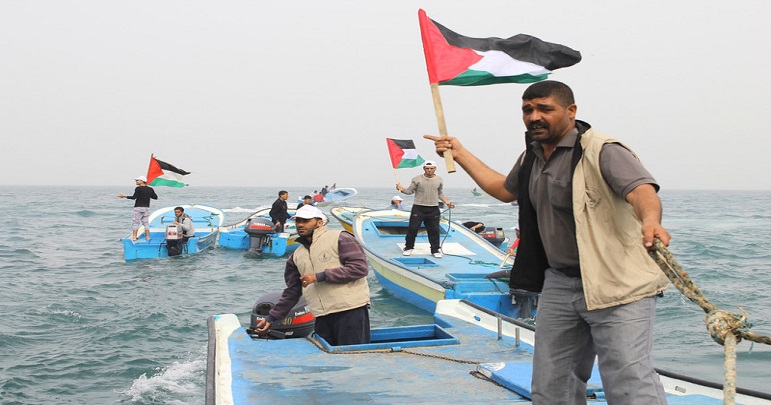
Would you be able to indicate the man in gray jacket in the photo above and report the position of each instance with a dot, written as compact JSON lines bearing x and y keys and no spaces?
{"x":425,"y":208}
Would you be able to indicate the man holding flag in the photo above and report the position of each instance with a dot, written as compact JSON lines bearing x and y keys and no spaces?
{"x":588,"y":212}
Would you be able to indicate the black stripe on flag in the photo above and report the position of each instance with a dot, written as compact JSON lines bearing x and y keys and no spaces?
{"x":169,"y":167}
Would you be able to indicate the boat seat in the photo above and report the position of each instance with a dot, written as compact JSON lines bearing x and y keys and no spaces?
{"x":448,"y":248}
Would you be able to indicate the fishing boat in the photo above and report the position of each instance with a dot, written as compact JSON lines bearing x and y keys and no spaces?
{"x":337,"y":195}
{"x":469,"y":354}
{"x":256,"y":234}
{"x":345,"y":214}
{"x":206,"y":220}
{"x":423,"y":280}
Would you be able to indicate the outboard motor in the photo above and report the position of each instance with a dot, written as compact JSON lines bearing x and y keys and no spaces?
{"x":259,"y":229}
{"x":494,"y":235}
{"x":174,"y":240}
{"x":297,"y":324}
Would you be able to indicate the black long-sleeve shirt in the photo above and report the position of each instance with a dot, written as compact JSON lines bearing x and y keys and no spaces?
{"x":142,"y":195}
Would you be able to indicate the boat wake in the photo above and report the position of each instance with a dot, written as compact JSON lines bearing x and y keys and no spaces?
{"x":180,"y":383}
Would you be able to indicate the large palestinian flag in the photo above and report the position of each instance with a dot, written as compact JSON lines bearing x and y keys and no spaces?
{"x":452,"y":59}
{"x":161,"y":173}
{"x":403,"y":153}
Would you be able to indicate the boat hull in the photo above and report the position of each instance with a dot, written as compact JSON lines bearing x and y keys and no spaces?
{"x":234,"y":237}
{"x":423,"y":280}
{"x":206,"y":221}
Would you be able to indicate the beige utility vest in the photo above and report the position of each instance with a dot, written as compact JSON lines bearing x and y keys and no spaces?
{"x":328,"y":298}
{"x":615,"y":266}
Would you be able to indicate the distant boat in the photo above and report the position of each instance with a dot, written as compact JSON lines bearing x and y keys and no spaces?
{"x":476,"y":193}
{"x":337,"y":195}
{"x":260,"y":237}
{"x":206,"y":221}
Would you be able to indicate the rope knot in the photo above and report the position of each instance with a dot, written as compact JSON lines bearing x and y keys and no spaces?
{"x":720,"y":323}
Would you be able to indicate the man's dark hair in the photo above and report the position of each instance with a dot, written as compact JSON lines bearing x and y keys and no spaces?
{"x":282,"y":192}
{"x":307,"y":197}
{"x":548,"y":88}
{"x":179,"y":209}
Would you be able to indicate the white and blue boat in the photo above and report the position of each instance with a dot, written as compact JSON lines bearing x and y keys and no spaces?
{"x":206,"y":220}
{"x":423,"y":280}
{"x":469,"y":354}
{"x":256,"y":234}
{"x":337,"y":195}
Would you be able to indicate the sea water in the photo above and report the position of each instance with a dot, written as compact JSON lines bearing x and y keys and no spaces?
{"x":81,"y":325}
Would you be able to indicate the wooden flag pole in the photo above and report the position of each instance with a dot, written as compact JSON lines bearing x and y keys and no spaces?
{"x":448,"y":160}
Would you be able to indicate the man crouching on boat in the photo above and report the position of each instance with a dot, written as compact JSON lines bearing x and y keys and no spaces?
{"x":338,"y":295}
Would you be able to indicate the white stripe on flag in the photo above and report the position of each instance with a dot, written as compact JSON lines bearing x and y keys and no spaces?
{"x":500,"y":64}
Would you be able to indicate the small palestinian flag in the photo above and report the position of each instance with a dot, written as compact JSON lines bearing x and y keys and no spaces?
{"x":452,"y":59}
{"x":403,"y":153}
{"x":161,"y":173}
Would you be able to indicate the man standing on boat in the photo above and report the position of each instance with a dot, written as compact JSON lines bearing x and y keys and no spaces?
{"x":588,"y":212}
{"x":425,"y":208}
{"x":279,"y":212}
{"x":330,"y":270}
{"x":141,"y":214}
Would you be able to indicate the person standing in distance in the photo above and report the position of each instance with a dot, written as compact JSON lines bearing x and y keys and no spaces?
{"x":588,"y":213}
{"x":425,"y":207}
{"x":141,"y":214}
{"x":330,"y":270}
{"x":279,"y":212}
{"x":396,"y":203}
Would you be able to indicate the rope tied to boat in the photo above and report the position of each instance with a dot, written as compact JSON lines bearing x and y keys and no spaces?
{"x":726,"y":328}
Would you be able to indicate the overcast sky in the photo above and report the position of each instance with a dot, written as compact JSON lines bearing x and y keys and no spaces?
{"x":304,"y":93}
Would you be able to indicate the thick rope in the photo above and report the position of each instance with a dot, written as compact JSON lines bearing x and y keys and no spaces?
{"x":725,"y":328}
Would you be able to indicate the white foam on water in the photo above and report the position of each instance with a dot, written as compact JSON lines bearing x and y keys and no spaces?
{"x":170,"y":384}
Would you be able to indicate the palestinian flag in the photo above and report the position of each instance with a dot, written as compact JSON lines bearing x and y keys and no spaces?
{"x":452,"y":59}
{"x":161,"y":173}
{"x":403,"y":153}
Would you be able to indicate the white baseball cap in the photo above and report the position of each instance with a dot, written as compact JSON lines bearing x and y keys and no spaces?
{"x":397,"y":198}
{"x":429,"y":163}
{"x":308,"y":212}
{"x":142,"y":178}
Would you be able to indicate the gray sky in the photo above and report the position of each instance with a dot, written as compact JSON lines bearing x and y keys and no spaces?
{"x":304,"y":93}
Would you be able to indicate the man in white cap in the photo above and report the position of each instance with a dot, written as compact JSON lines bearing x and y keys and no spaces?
{"x":425,"y":208}
{"x":396,"y":203}
{"x":330,"y":270}
{"x":141,"y":214}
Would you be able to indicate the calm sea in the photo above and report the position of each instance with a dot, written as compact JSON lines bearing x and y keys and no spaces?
{"x":81,"y":325}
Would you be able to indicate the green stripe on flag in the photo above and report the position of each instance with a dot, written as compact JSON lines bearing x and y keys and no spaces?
{"x":480,"y":78}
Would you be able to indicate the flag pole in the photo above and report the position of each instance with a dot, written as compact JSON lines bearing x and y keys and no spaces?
{"x":449,"y":162}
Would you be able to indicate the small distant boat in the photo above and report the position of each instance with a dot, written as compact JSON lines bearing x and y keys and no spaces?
{"x":468,"y":354}
{"x":206,"y":220}
{"x":422,"y":279}
{"x":345,"y":215}
{"x":337,"y":195}
{"x":476,"y":193}
{"x":256,"y":234}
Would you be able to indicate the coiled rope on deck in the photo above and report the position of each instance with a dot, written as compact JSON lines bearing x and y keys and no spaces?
{"x":725,"y":328}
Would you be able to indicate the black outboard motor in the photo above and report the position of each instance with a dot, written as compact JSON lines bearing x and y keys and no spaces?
{"x":297,"y":324}
{"x":494,"y":235}
{"x":258,"y":230}
{"x":174,"y":240}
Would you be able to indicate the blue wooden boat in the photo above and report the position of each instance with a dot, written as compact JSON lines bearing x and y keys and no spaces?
{"x":206,"y":221}
{"x":337,"y":195}
{"x":234,"y":236}
{"x":423,"y":280}
{"x":469,"y":355}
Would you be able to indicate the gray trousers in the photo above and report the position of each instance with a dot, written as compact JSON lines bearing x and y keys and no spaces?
{"x":140,"y":216}
{"x":568,"y":337}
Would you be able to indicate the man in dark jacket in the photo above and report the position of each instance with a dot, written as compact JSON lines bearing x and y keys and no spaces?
{"x":279,"y":212}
